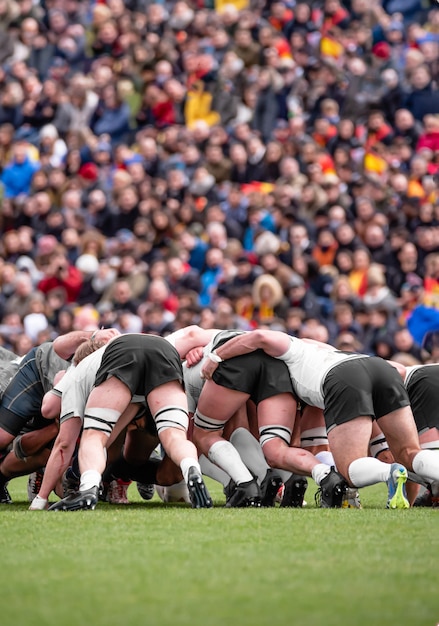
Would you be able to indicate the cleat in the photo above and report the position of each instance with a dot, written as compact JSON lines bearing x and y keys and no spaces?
{"x":103,"y":492}
{"x":198,"y":494}
{"x":424,"y":498}
{"x":230,"y":489}
{"x":245,"y":495}
{"x":269,"y":487}
{"x":397,"y":496}
{"x":69,"y":484}
{"x":331,"y":491}
{"x":146,"y":491}
{"x":117,"y":491}
{"x":428,"y":496}
{"x":5,"y":497}
{"x":34,"y":484}
{"x":81,"y":500}
{"x":351,"y":499}
{"x":294,"y":491}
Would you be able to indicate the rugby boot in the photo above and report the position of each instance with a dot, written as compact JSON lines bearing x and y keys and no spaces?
{"x":81,"y":500}
{"x":246,"y":494}
{"x":294,"y":491}
{"x":331,"y":491}
{"x":199,"y":496}
{"x":269,"y":487}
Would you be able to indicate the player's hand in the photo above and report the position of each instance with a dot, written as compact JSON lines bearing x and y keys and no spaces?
{"x":194,"y":356}
{"x":208,"y":368}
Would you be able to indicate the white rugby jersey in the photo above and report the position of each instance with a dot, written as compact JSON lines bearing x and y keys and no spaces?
{"x":193,"y":383}
{"x":309,"y":365}
{"x":76,"y":384}
{"x":409,"y":371}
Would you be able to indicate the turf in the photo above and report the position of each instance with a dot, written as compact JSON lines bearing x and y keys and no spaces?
{"x":169,"y":565}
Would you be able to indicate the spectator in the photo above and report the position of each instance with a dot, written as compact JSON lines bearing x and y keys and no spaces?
{"x":17,"y":174}
{"x":294,"y":136}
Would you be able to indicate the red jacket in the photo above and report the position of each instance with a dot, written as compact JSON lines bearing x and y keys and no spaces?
{"x":71,"y":284}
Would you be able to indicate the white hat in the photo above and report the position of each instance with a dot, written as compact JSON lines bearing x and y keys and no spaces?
{"x":34,"y":323}
{"x":50,"y":131}
{"x":87,"y":264}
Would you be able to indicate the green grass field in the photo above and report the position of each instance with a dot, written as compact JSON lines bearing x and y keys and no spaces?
{"x":155,"y":564}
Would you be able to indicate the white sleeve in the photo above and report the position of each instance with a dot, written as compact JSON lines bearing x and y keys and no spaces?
{"x":172,"y":338}
{"x":288,"y":355}
{"x":63,"y":384}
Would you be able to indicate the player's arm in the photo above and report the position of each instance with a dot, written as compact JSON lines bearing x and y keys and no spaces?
{"x":272,"y":342}
{"x":51,"y":404}
{"x":66,"y":345}
{"x":191,"y":337}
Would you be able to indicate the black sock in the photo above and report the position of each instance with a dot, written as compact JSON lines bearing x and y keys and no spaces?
{"x":3,"y":479}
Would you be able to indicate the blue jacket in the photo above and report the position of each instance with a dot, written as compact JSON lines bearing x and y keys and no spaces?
{"x":17,"y":177}
{"x":114,"y":122}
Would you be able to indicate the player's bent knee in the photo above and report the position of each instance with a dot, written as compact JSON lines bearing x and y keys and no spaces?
{"x":274,"y":440}
{"x":101,"y":420}
{"x":171,"y":417}
{"x":274,"y":432}
{"x":208,"y":423}
{"x":314,"y":437}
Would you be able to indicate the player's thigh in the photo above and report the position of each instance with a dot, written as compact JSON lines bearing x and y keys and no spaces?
{"x":277,"y":411}
{"x":350,"y":441}
{"x":168,"y":394}
{"x":430,"y":436}
{"x":111,"y":394}
{"x":400,"y":430}
{"x":220,"y":403}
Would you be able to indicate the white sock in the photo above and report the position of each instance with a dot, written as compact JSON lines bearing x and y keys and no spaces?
{"x":319,"y":472}
{"x":213,"y":471}
{"x":368,"y":471}
{"x":250,"y":452}
{"x":223,"y":454}
{"x":426,"y":464}
{"x":38,"y":504}
{"x":89,"y":479}
{"x":187,"y":463}
{"x":325,"y":457}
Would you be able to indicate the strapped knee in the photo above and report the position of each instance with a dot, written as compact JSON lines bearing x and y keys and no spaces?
{"x":377,"y":445}
{"x":268,"y":433}
{"x":314,"y":437}
{"x":171,"y":417}
{"x":103,"y":420}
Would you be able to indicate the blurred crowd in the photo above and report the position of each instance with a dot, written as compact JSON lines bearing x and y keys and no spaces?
{"x":242,"y":164}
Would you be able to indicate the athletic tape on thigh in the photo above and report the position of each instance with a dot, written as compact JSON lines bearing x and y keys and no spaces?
{"x":267,"y":433}
{"x":430,"y":445}
{"x":101,"y":419}
{"x":171,"y":417}
{"x":378,"y":444}
{"x":207,"y":423}
{"x":314,"y":437}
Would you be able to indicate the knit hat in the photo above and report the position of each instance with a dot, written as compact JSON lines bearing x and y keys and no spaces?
{"x":381,"y":50}
{"x":88,"y":171}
